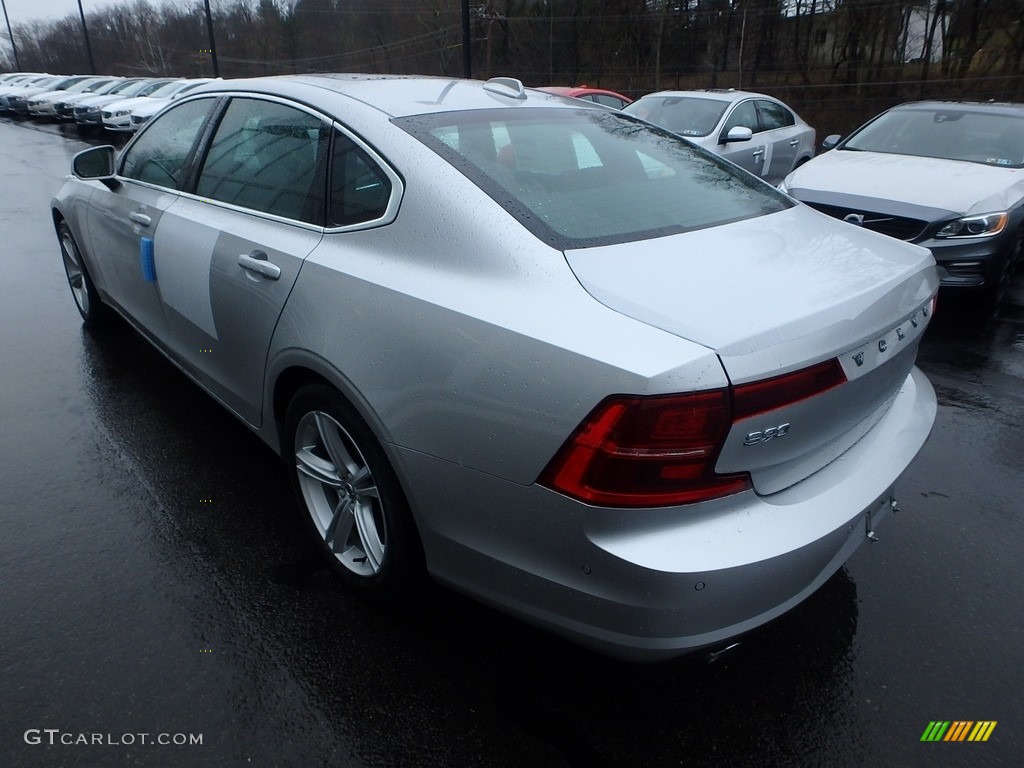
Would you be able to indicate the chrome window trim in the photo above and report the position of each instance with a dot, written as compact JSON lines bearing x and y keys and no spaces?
{"x":397,"y":186}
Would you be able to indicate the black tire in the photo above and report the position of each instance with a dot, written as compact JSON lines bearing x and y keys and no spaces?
{"x":90,"y":306}
{"x":995,"y":292}
{"x":358,"y":514}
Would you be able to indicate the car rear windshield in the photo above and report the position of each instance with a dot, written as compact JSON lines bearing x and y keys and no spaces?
{"x":582,"y":178}
{"x":685,"y":115}
{"x":986,"y":137}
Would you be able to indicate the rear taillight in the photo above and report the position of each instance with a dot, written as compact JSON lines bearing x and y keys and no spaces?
{"x":647,"y":452}
{"x":769,"y":394}
{"x":658,"y":451}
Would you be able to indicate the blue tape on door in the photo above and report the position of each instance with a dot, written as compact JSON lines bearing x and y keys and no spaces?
{"x":146,"y":259}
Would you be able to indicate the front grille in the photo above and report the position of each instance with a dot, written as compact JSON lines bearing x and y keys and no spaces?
{"x":900,"y":227}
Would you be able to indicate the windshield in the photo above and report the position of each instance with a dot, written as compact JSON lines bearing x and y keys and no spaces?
{"x":579,"y":178}
{"x":115,"y":86}
{"x":979,"y":136}
{"x":151,"y":88}
{"x":166,"y":89}
{"x":685,"y":115}
{"x":131,"y":88}
{"x":81,"y":86}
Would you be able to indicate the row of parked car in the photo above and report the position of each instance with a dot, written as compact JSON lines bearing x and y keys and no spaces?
{"x":948,"y":176}
{"x":934,"y":173}
{"x":122,"y":104}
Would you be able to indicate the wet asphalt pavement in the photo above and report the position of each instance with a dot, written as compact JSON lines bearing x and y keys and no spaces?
{"x":153,"y":581}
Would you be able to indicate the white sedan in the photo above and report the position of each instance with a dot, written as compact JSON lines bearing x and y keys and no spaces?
{"x":756,"y":132}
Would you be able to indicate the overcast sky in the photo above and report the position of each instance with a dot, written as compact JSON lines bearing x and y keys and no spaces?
{"x":22,"y":11}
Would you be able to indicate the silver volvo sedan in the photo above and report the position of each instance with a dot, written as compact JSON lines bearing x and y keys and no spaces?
{"x":554,"y":356}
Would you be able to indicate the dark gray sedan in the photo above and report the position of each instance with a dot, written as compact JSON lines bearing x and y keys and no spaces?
{"x":945,"y":175}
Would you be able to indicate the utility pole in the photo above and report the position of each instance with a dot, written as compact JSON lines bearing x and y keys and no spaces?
{"x":467,"y":53}
{"x":85,"y":32}
{"x":743,"y":36}
{"x":17,"y":64}
{"x":213,"y":45}
{"x":551,"y":42}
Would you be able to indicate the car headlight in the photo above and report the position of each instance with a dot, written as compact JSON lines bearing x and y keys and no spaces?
{"x":985,"y":225}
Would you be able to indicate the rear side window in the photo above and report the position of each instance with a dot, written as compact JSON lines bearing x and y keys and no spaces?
{"x":608,"y":101}
{"x":774,"y":115}
{"x":585,"y":178}
{"x":268,"y":157}
{"x":360,"y":190}
{"x":159,"y":154}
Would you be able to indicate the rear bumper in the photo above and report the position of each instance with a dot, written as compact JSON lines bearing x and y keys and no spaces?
{"x":652,"y":584}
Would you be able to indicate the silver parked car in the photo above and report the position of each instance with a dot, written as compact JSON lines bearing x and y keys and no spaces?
{"x":755,"y":131}
{"x":946,"y":175}
{"x":555,"y":356}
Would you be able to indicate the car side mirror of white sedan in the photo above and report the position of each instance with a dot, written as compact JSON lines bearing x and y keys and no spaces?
{"x":831,"y":141}
{"x":96,"y":163}
{"x":737,"y":133}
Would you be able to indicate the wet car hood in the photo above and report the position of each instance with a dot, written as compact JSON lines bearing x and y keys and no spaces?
{"x":951,"y":185}
{"x":768,"y":294}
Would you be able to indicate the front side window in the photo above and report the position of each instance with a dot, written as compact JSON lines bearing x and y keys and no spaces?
{"x":744,"y":116}
{"x":585,"y":178}
{"x":159,"y":154}
{"x":269,"y":157}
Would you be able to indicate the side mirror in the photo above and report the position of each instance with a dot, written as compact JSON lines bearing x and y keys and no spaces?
{"x":831,"y":141}
{"x":737,"y":133}
{"x":95,"y":163}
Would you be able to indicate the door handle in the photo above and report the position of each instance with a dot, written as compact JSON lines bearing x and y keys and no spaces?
{"x":795,"y":143}
{"x":140,"y":218}
{"x":257,"y":262}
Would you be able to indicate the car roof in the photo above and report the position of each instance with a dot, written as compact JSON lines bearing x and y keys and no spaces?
{"x":718,"y":94}
{"x":996,"y":107}
{"x":572,"y":90}
{"x":400,"y":95}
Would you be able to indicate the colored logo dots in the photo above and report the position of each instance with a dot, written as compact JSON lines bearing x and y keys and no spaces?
{"x":959,"y":730}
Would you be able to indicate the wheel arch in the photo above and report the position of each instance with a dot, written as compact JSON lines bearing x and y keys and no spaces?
{"x":58,"y":218}
{"x":299,"y":369}
{"x":296,"y":369}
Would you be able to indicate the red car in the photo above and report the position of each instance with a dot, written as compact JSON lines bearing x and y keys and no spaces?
{"x":598,"y":95}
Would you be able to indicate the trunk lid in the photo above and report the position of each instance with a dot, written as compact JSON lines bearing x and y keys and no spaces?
{"x":773,"y":295}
